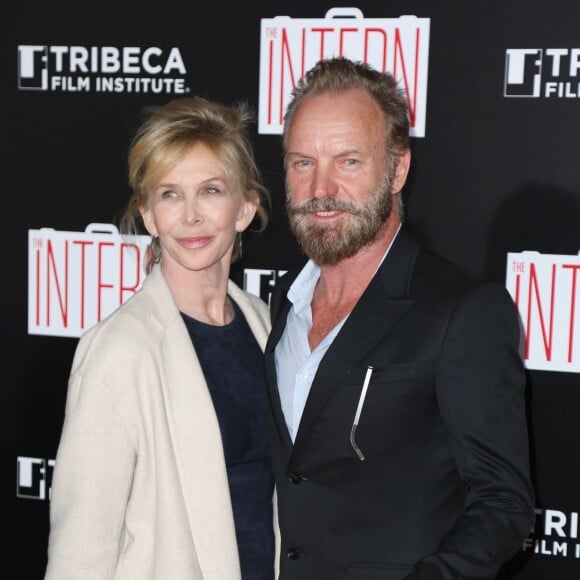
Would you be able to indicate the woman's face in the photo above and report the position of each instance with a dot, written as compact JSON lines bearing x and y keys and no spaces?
{"x":197,"y":212}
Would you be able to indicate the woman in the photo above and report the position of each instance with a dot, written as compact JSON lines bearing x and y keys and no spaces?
{"x":163,"y":469}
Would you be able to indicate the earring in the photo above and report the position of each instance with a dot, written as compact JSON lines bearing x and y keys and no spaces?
{"x":239,"y":245}
{"x":155,"y":248}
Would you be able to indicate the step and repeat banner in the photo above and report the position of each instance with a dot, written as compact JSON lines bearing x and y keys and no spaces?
{"x":494,"y":100}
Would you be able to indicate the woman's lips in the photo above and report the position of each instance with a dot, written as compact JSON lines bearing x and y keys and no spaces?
{"x":195,"y":241}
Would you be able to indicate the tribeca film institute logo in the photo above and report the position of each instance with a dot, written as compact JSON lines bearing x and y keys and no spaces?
{"x":101,"y":69}
{"x":33,"y":477}
{"x":550,"y":73}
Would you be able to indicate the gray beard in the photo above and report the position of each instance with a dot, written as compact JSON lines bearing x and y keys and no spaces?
{"x":328,"y":244}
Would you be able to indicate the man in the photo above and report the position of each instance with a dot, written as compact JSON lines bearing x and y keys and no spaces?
{"x":396,"y":389}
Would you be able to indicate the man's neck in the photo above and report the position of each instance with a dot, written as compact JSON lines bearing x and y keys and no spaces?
{"x":352,"y":275}
{"x":340,"y":286}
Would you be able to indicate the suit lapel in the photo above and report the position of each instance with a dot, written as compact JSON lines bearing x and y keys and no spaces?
{"x":383,"y":303}
{"x":271,"y":379}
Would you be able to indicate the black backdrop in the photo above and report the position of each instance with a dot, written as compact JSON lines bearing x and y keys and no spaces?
{"x":495,"y":173}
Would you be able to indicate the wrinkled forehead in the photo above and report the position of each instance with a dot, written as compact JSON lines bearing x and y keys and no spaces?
{"x":351,"y":114}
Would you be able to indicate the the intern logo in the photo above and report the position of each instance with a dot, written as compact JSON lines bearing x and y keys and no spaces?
{"x":550,"y":73}
{"x":290,"y":46}
{"x":546,"y":291}
{"x":33,"y":477}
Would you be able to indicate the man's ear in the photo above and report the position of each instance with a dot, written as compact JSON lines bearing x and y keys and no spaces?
{"x":401,"y":171}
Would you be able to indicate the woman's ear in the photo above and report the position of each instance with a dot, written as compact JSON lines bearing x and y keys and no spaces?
{"x":148,"y":221}
{"x":246,"y":214}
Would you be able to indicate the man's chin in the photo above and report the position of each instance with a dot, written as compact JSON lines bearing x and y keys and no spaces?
{"x":327,"y":252}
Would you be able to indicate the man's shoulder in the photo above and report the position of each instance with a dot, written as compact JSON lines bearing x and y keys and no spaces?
{"x":428,"y":271}
{"x":434,"y":273}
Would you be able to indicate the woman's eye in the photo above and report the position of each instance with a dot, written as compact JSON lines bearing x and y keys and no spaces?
{"x":213,"y":190}
{"x":168,"y":194}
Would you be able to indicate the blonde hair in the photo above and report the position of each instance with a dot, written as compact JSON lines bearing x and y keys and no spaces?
{"x":169,"y":131}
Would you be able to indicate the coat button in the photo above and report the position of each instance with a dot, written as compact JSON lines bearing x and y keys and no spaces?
{"x":296,"y":477}
{"x":294,"y":553}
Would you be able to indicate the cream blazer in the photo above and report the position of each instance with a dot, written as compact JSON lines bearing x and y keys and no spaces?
{"x":140,"y":489}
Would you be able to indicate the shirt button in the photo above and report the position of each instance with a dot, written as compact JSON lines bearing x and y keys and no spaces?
{"x":294,"y":553}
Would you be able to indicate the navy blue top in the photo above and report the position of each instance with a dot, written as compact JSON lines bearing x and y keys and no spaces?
{"x":233,"y":365}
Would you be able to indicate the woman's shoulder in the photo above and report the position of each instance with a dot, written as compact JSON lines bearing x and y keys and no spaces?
{"x":123,"y":336}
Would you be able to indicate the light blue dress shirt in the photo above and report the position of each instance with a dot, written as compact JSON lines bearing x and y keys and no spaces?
{"x":296,"y":364}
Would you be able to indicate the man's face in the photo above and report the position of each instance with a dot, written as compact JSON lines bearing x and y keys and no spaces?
{"x":338,"y":189}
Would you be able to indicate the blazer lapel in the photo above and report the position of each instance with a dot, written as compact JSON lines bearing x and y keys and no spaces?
{"x":271,"y":379}
{"x":384,"y":301}
{"x":196,"y":438}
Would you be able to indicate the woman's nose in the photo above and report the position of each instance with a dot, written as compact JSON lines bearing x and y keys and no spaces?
{"x":192,"y":213}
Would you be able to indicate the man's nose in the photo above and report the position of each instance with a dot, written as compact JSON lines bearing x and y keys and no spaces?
{"x":324,"y":183}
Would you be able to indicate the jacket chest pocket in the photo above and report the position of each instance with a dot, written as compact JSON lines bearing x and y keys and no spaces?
{"x":381,"y":405}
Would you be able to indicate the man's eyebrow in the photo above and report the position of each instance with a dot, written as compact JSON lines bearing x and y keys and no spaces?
{"x":295,"y":154}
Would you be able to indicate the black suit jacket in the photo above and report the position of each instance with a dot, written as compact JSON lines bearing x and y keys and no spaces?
{"x":444,"y":490}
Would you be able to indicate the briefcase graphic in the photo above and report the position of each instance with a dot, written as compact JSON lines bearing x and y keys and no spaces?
{"x":291,"y":46}
{"x":75,"y":279}
{"x":546,"y":291}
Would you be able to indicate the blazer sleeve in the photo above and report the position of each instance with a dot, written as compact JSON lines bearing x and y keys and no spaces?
{"x":480,"y":387}
{"x":93,"y":470}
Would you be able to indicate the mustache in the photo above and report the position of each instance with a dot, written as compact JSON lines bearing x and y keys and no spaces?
{"x":325,"y":204}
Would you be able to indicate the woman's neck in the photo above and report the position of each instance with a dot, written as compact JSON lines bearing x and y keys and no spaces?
{"x":201,"y":294}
